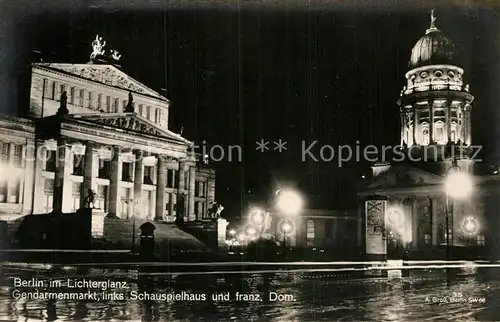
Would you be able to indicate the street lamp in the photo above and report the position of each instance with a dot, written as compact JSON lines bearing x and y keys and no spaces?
{"x":288,"y":202}
{"x":232,"y":233}
{"x":257,"y":216}
{"x":458,"y":185}
{"x":286,"y":228}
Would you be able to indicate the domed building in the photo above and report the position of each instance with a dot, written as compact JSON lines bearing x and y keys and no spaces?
{"x":412,"y":203}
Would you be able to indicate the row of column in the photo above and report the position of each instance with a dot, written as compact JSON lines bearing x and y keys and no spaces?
{"x":63,"y":172}
{"x":465,"y":126}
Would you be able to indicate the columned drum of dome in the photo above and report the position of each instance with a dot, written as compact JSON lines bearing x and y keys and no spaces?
{"x":435,"y":105}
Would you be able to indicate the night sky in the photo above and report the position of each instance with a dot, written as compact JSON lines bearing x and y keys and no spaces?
{"x":329,"y":73}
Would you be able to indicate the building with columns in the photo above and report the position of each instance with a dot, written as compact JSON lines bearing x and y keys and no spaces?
{"x":91,"y":127}
{"x":405,"y":203}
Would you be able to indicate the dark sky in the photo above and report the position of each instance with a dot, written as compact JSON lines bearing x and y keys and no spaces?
{"x":235,"y":76}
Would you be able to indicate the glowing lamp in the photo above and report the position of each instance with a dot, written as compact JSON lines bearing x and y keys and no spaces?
{"x":289,"y":202}
{"x":470,"y":225}
{"x":286,"y":227}
{"x":458,"y":185}
{"x":257,"y":217}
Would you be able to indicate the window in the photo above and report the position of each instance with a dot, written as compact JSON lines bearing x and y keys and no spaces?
{"x":54,"y":91}
{"x":50,"y":164}
{"x":48,"y":189}
{"x":451,"y":236}
{"x":115,"y":105}
{"x":62,"y":89}
{"x":127,"y":171}
{"x":78,"y":166}
{"x":99,"y":101}
{"x":199,"y":188}
{"x":197,"y":209}
{"x":170,"y":178}
{"x":148,"y":175}
{"x":148,"y":112}
{"x":481,"y":240}
{"x":440,"y":134}
{"x":140,"y":109}
{"x":310,"y":233}
{"x":102,"y":197}
{"x":453,"y":135}
{"x":124,"y":202}
{"x":108,"y":104}
{"x":90,"y":103}
{"x":72,"y":95}
{"x":425,"y":137}
{"x":81,"y":96}
{"x":146,"y":197}
{"x":427,"y":239}
{"x":124,"y":104}
{"x":17,"y":155}
{"x":104,"y":169}
{"x":157,"y":116}
{"x":76,"y":192}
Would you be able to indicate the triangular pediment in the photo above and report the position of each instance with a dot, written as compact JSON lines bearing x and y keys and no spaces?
{"x":105,"y":74}
{"x":404,"y":175}
{"x":131,"y":122}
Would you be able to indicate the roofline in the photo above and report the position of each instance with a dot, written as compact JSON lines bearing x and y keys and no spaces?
{"x":47,"y":67}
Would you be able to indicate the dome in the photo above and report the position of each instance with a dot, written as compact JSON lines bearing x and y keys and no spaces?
{"x":432,"y":48}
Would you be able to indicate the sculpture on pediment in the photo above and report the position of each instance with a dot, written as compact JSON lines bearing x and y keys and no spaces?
{"x":115,"y":55}
{"x":98,"y":47}
{"x":130,"y":104}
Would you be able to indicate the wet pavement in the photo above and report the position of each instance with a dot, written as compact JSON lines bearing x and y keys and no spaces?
{"x":277,"y":296}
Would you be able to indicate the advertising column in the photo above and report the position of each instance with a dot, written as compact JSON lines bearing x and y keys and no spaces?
{"x":375,"y":233}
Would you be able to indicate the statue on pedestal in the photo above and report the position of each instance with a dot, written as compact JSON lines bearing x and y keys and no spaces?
{"x":63,"y":107}
{"x":90,"y":200}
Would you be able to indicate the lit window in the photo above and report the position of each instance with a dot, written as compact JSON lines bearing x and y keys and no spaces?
{"x":427,"y":239}
{"x":425,"y":137}
{"x":310,"y":233}
{"x":481,"y":240}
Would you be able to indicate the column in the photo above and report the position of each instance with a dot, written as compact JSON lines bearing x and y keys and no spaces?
{"x":468,"y":122}
{"x":182,"y":180}
{"x":403,"y":126}
{"x":138,"y":181}
{"x":160,"y":188}
{"x":431,"y":122}
{"x":171,"y":203}
{"x":114,"y":181}
{"x":152,"y":206}
{"x":415,"y":125}
{"x":434,"y":221}
{"x":29,"y":175}
{"x":448,"y":120}
{"x":88,"y":171}
{"x":192,"y":186}
{"x":414,"y":222}
{"x":40,"y":156}
{"x":61,"y":177}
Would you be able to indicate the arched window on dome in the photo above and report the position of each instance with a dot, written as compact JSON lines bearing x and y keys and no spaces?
{"x":453,"y":136}
{"x":425,"y":137}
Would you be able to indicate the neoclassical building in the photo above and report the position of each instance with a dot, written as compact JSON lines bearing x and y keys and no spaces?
{"x":93,"y":127}
{"x":405,"y":201}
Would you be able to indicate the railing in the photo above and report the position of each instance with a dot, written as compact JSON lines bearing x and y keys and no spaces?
{"x":435,"y":87}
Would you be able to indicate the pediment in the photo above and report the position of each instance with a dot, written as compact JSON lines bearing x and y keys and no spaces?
{"x":131,"y":122}
{"x":106,"y":74}
{"x":404,"y":176}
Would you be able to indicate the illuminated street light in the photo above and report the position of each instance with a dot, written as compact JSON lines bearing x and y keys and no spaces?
{"x":286,"y":228}
{"x":288,"y":202}
{"x":251,"y":231}
{"x":458,"y":185}
{"x":232,"y":232}
{"x":241,"y":237}
{"x":257,"y":216}
{"x":470,"y":225}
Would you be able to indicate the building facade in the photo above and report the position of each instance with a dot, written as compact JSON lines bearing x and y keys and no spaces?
{"x":405,"y":203}
{"x":91,"y":127}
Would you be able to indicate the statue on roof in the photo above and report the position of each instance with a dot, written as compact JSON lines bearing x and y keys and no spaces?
{"x":115,"y":55}
{"x":98,"y":47}
{"x":130,"y":104}
{"x":433,"y":22}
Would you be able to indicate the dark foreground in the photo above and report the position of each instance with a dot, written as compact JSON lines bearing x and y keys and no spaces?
{"x":302,"y":297}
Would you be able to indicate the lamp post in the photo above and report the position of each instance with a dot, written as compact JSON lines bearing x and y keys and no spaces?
{"x":458,"y":186}
{"x":286,"y":228}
